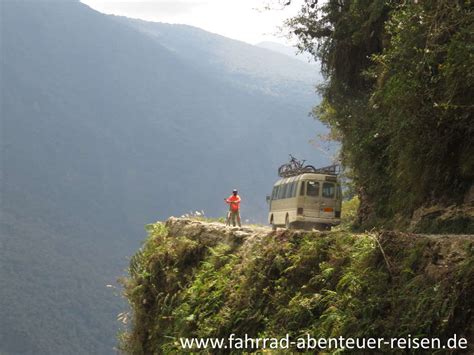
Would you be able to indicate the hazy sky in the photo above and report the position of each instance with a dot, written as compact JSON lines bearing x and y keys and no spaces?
{"x":245,"y":20}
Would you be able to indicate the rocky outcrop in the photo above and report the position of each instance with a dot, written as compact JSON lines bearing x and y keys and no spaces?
{"x":441,"y":219}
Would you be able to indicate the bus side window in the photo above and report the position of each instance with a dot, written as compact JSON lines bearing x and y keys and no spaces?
{"x":282,"y":192}
{"x":289,"y":190}
{"x":275,"y":193}
{"x":291,"y":187}
{"x":278,"y":194}
{"x":328,"y":190}
{"x":302,"y":188}
{"x":294,"y":184}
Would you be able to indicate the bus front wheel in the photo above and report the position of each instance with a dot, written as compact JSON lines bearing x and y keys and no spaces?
{"x":274,"y":227}
{"x":287,"y":223}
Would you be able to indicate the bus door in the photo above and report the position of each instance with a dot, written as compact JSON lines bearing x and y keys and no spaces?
{"x":311,"y":202}
{"x":328,"y":200}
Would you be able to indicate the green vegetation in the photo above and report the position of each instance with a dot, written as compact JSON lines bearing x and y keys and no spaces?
{"x":325,"y":284}
{"x":399,"y":98}
{"x":201,"y":216}
{"x":349,"y":212}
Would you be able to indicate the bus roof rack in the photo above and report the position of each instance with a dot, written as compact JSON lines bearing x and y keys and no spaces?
{"x":334,"y":169}
{"x":296,"y":167}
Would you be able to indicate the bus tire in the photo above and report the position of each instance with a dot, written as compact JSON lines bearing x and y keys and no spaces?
{"x":287,"y":223}
{"x":322,"y":227}
{"x":274,"y":227}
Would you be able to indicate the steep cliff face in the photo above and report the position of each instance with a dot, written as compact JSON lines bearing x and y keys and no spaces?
{"x":198,"y":279}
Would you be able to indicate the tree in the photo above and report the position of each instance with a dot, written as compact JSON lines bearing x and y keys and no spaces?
{"x":398,"y":96}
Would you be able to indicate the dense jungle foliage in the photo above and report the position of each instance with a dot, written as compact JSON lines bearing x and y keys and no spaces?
{"x":398,"y":96}
{"x":201,"y":281}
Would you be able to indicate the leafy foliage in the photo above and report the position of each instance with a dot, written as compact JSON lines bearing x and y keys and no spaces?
{"x":324,"y":284}
{"x":398,"y":96}
{"x":349,"y":211}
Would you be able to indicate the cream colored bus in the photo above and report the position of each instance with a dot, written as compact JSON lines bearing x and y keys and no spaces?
{"x":308,"y":200}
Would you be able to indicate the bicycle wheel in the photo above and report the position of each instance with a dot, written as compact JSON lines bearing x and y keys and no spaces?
{"x":281,"y":169}
{"x":284,"y":170}
{"x":309,"y":169}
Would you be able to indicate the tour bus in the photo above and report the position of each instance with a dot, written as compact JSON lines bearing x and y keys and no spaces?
{"x":308,"y":200}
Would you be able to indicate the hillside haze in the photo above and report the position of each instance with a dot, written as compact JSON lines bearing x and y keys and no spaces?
{"x":292,"y":52}
{"x":260,"y":69}
{"x":109,"y":124}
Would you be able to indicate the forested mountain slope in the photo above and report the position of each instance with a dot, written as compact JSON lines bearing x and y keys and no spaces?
{"x":292,"y":52}
{"x":105,"y":129}
{"x":244,"y":66}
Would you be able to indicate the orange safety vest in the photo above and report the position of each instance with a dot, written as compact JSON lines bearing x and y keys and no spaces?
{"x":234,"y":202}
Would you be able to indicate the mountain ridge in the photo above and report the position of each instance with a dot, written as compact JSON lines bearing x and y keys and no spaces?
{"x":289,"y":51}
{"x":220,"y":53}
{"x":103,"y":131}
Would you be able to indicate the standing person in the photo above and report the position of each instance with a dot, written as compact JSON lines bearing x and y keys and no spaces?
{"x":234,"y":208}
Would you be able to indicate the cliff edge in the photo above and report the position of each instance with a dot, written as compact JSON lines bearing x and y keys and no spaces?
{"x":196,"y":279}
